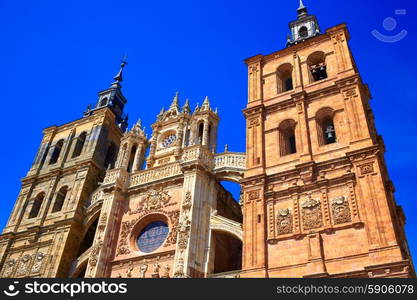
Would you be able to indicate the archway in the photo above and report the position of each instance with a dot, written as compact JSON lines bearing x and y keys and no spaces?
{"x":227,"y":252}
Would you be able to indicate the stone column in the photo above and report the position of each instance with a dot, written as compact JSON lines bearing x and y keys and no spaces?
{"x":152,"y":149}
{"x":138,"y":157}
{"x":205,"y":140}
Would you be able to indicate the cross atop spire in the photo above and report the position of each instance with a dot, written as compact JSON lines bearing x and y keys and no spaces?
{"x":302,"y":9}
{"x":119,"y":76}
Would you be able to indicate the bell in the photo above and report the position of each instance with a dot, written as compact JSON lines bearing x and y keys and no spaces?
{"x":329,"y":131}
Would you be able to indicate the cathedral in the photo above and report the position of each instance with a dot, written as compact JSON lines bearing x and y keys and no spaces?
{"x":102,"y":199}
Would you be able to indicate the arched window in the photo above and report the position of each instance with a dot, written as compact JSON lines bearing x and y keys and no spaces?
{"x":317,"y":66}
{"x":59,"y":199}
{"x":187,"y":137}
{"x":57,"y":152}
{"x":303,"y":32}
{"x":326,"y":131}
{"x":284,"y":78}
{"x":200,"y":133}
{"x":131,"y":158}
{"x":37,"y":203}
{"x":103,"y":102}
{"x":110,"y":156}
{"x":287,"y":141}
{"x":79,"y":144}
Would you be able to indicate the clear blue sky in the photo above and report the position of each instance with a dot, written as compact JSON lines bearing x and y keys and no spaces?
{"x":56,"y":55}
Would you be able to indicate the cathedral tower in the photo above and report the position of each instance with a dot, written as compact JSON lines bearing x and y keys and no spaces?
{"x":318,"y":201}
{"x":48,"y":225}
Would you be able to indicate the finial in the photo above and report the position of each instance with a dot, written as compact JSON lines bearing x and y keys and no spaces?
{"x":226,"y":148}
{"x":174,"y":103}
{"x":119,"y":75}
{"x":206,"y":104}
{"x":186,"y":107}
{"x":302,"y":9}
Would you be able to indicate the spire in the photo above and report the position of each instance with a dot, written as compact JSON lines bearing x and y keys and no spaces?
{"x":302,"y":9}
{"x":174,"y":104}
{"x":304,"y":27}
{"x":138,"y":129}
{"x":119,"y":76}
{"x":161,"y":114}
{"x":206,"y":104}
{"x":186,"y":108}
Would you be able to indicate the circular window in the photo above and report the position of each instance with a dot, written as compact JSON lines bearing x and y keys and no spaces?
{"x":152,"y":236}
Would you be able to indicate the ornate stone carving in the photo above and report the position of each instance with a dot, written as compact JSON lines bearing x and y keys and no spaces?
{"x":340,"y":210}
{"x":123,"y":247}
{"x":154,"y":200}
{"x":253,"y":195}
{"x":311,"y":214}
{"x":184,"y":232}
{"x":366,"y":168}
{"x":173,"y":233}
{"x":38,"y":262}
{"x":8,"y":268}
{"x":23,"y":267}
{"x":142,"y":270}
{"x":129,"y":270}
{"x":156,"y":267}
{"x":166,"y":272}
{"x":186,"y":204}
{"x":179,"y":273}
{"x":95,"y":250}
{"x":284,"y":221}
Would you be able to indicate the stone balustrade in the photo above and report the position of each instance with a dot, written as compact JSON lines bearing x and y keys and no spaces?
{"x":154,"y":174}
{"x":230,"y":160}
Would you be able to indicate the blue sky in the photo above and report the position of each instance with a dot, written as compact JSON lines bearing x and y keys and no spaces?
{"x":56,"y":56}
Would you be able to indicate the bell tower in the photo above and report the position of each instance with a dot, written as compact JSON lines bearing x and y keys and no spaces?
{"x":318,"y":200}
{"x":49,"y":224}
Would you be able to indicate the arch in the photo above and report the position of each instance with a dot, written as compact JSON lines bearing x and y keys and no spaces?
{"x":60,"y":198}
{"x":200,"y":132}
{"x":284,"y":78}
{"x":287,"y":138}
{"x":36,"y":206}
{"x":79,"y":145}
{"x":316,"y":62}
{"x":132,"y":157}
{"x":103,"y":101}
{"x":227,"y":252}
{"x":326,"y":131}
{"x":79,"y":267}
{"x":57,"y":151}
{"x":303,"y":32}
{"x":88,"y":238}
{"x":109,"y":161}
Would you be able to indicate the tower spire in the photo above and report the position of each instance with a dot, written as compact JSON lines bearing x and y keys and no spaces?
{"x":302,"y":9}
{"x":119,"y":76}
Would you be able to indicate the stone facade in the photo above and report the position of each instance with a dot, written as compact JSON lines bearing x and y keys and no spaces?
{"x":318,"y":201}
{"x":316,"y":197}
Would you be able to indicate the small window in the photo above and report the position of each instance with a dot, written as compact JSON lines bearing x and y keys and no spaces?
{"x":325,"y":126}
{"x":103,"y":102}
{"x":79,"y":144}
{"x":56,"y":152}
{"x":287,"y":140}
{"x":130,"y":166}
{"x":110,"y":156}
{"x":200,"y":133}
{"x":317,"y":66}
{"x":303,"y":32}
{"x":60,"y":198}
{"x":36,"y":207}
{"x":284,"y":78}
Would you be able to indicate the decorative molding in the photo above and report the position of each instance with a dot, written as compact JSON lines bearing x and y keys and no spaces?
{"x":311,"y":214}
{"x":284,"y":221}
{"x":340,"y":210}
